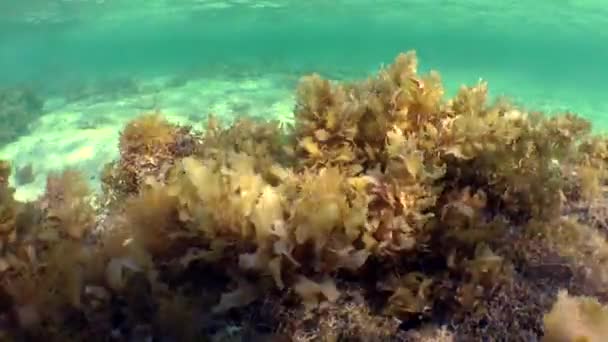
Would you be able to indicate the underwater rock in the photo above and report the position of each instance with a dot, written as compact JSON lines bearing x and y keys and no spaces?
{"x":25,"y":175}
{"x":19,"y":107}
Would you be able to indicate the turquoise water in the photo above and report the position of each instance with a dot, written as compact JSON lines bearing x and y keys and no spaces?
{"x":551,"y":51}
{"x":547,"y":55}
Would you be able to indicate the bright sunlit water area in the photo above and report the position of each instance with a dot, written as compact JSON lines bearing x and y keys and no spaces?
{"x":89,"y":66}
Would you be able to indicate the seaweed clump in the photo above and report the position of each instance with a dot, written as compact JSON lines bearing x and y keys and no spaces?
{"x":148,"y":147}
{"x":576,"y":319}
{"x":386,"y":213}
{"x":45,"y":256}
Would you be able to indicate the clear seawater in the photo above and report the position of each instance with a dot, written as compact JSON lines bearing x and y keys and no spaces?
{"x":550,"y":55}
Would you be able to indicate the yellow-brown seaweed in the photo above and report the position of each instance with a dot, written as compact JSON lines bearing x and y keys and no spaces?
{"x":386,"y":198}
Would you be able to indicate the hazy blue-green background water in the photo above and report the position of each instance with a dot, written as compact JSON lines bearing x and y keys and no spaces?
{"x":548,"y":54}
{"x":559,"y":45}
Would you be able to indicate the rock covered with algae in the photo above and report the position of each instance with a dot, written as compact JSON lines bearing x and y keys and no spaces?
{"x":387,"y":212}
{"x":19,"y":107}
